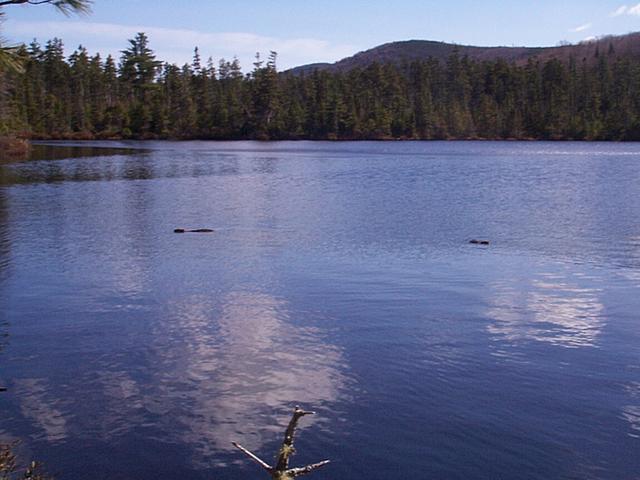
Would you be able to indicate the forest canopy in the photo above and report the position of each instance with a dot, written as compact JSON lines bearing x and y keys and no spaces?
{"x":85,"y":95}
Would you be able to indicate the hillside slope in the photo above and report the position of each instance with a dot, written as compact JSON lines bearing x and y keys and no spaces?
{"x":412,"y":50}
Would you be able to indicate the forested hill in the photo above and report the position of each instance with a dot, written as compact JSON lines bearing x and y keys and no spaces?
{"x":422,"y":50}
{"x":57,"y":94}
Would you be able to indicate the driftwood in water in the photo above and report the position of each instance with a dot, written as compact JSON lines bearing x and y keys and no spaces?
{"x":281,"y":470}
{"x":193,"y":230}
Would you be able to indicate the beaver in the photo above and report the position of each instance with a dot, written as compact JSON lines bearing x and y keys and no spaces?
{"x":193,"y":230}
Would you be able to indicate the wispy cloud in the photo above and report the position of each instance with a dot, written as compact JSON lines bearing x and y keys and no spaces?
{"x":621,"y":10}
{"x":626,"y":10}
{"x":176,"y":45}
{"x":581,"y":28}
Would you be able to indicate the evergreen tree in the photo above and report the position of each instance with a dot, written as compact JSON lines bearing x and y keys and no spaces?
{"x":138,"y":68}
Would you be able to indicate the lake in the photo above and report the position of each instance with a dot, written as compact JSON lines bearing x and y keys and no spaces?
{"x":339,"y":277}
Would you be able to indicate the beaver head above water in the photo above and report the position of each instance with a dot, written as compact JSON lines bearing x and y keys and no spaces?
{"x":195,"y":230}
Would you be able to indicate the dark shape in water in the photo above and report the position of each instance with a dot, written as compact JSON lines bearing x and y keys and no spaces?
{"x":479,"y":242}
{"x":3,"y":389}
{"x":281,"y":470}
{"x":194,"y":230}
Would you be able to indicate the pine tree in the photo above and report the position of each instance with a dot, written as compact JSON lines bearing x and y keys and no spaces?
{"x":138,"y":68}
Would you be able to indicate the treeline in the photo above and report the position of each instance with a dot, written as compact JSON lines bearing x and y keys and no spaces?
{"x":86,"y":96}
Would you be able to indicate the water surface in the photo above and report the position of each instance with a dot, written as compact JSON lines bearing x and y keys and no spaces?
{"x":339,"y":277}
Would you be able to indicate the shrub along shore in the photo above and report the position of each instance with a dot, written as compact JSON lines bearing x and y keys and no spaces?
{"x":11,"y":147}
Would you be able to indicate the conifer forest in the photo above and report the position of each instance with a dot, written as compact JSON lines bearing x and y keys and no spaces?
{"x":87,"y":96}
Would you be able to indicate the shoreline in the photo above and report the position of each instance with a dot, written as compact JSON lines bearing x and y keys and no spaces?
{"x":85,"y":138}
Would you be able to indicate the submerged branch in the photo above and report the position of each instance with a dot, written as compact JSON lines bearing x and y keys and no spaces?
{"x":11,"y":470}
{"x":298,"y":472}
{"x":287,"y":444}
{"x":253,"y":457}
{"x":281,"y":470}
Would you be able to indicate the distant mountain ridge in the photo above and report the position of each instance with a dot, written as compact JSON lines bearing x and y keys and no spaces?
{"x":421,"y":50}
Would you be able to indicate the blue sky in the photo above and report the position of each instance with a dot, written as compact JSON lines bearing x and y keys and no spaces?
{"x":306,"y":31}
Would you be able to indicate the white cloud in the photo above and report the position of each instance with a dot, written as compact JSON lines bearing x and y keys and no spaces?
{"x":626,"y":10}
{"x":581,"y":28}
{"x":621,"y":10}
{"x":176,"y":45}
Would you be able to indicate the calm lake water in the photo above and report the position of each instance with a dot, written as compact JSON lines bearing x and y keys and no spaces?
{"x":340,"y":277}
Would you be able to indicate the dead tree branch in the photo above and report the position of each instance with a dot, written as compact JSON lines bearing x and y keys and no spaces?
{"x":281,"y":470}
{"x":253,"y":457}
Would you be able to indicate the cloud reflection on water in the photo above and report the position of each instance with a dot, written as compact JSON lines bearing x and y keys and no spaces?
{"x":245,"y":369}
{"x":631,"y":413}
{"x":45,"y":413}
{"x":221,"y":371}
{"x":217,"y":369}
{"x":553,"y":310}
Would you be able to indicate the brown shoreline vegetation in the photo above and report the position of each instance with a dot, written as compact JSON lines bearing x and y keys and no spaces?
{"x":14,"y":147}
